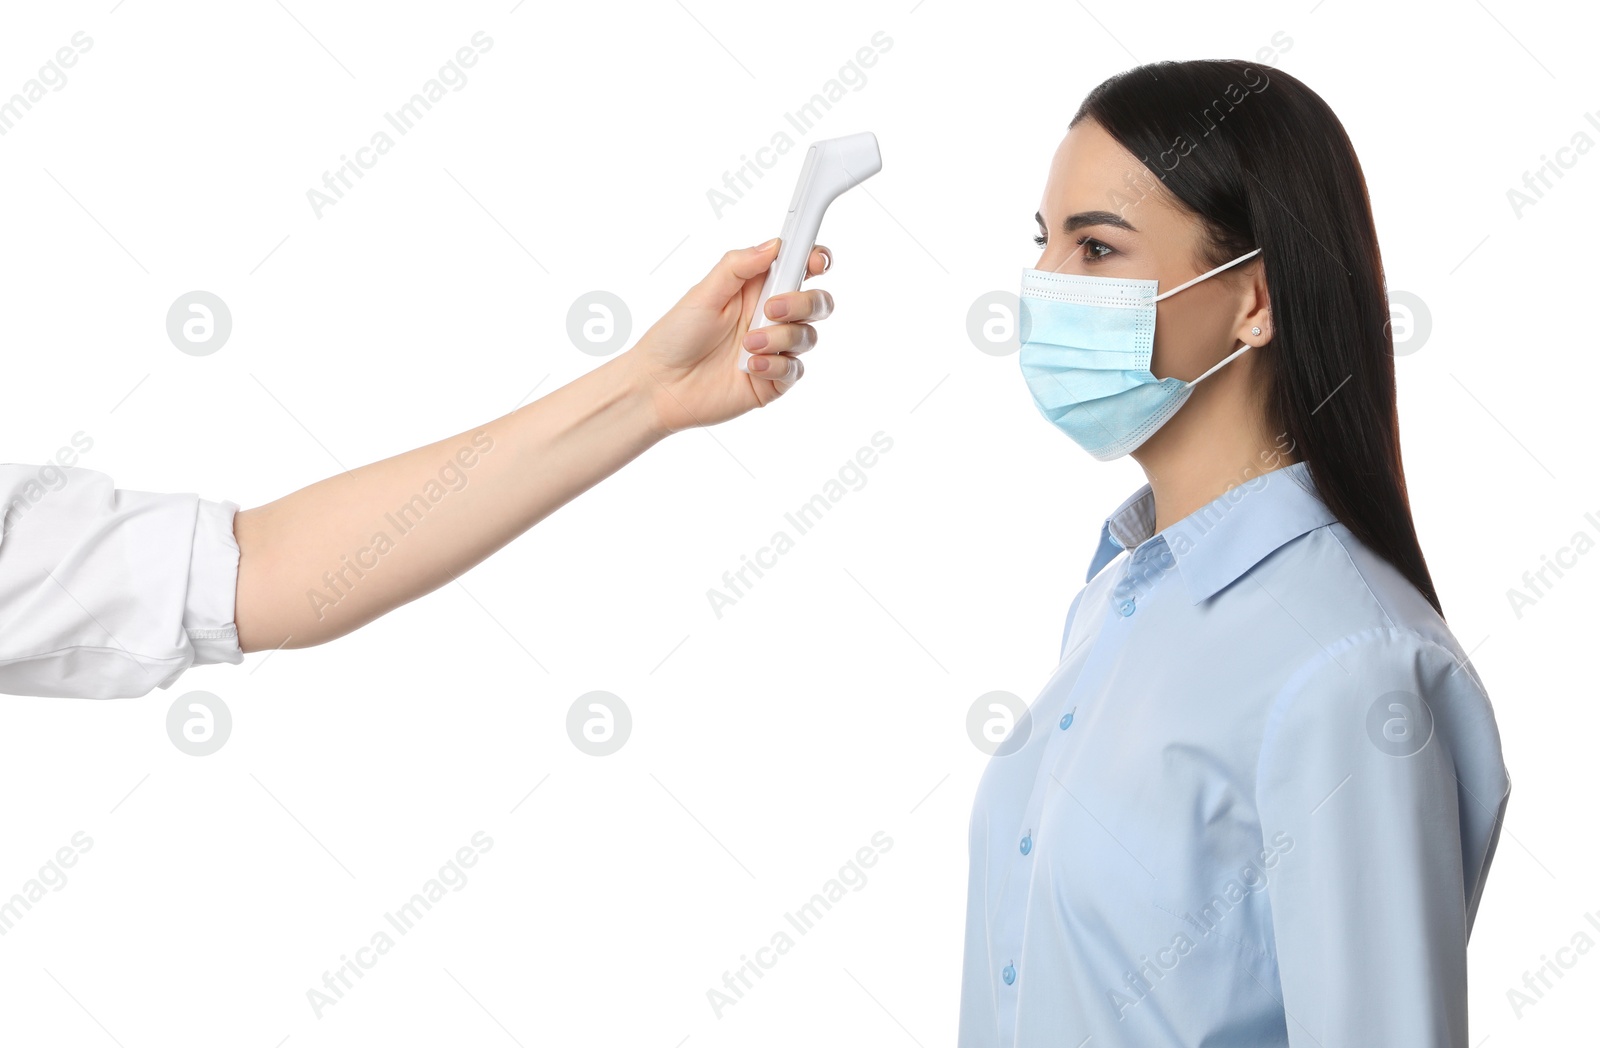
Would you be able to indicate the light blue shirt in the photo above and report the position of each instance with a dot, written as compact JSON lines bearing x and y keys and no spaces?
{"x":1254,"y":805}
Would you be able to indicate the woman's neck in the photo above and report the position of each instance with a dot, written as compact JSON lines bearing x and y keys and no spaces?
{"x":1218,"y":440}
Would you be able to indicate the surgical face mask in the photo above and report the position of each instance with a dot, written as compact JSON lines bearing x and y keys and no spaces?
{"x":1086,"y":348}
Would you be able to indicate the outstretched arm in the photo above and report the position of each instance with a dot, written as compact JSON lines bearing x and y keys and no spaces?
{"x":333,"y":556}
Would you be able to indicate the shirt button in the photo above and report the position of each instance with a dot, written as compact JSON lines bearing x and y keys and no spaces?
{"x":1066,"y":721}
{"x":1126,"y":607}
{"x":1009,"y":975}
{"x":1027,"y":843}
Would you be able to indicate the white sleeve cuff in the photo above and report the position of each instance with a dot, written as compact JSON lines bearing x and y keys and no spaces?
{"x":213,"y":585}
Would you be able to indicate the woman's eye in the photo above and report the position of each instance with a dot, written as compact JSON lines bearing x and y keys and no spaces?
{"x":1093,"y":250}
{"x":1041,"y":240}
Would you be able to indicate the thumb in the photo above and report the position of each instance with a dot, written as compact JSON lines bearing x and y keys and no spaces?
{"x":727,"y":278}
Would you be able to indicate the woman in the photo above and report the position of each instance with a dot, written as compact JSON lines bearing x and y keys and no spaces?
{"x":1256,"y":802}
{"x":107,"y":593}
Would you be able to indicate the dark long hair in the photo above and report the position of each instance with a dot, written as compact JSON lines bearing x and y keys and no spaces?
{"x":1263,"y":162}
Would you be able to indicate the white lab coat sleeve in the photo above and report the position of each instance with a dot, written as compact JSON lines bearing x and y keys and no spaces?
{"x":106,"y":593}
{"x":1381,"y":782}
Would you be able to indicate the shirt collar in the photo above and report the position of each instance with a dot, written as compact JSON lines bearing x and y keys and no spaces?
{"x":1216,"y":544}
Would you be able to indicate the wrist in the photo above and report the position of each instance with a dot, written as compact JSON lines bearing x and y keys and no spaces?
{"x":642,"y":394}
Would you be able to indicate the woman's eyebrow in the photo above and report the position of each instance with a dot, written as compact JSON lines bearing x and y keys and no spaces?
{"x":1076,"y":222}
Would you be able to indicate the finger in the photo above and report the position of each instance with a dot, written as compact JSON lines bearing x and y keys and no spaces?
{"x":794,"y":306}
{"x":781,"y":338}
{"x":782,"y":371}
{"x":727,"y":278}
{"x":797,"y":370}
{"x":820,"y":262}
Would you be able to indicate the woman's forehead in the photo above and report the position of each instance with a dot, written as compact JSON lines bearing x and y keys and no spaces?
{"x":1091,"y":171}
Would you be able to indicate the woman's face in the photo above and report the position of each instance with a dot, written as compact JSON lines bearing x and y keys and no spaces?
{"x":1106,"y":214}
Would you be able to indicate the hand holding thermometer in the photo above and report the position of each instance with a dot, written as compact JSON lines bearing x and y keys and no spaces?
{"x":832,"y":166}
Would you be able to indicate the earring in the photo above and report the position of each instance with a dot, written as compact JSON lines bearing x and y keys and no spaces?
{"x":1255,"y":331}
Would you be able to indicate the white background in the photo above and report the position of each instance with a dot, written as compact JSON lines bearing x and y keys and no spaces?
{"x":828,"y":704}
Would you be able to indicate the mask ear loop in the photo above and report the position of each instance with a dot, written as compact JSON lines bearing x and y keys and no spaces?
{"x":1221,"y":362}
{"x":1203,"y":276}
{"x":1190,"y":283}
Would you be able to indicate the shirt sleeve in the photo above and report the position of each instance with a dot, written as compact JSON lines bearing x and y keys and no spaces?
{"x":1381,"y":781}
{"x":106,"y":593}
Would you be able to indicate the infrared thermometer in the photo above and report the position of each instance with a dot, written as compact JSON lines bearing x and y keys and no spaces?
{"x":832,"y":166}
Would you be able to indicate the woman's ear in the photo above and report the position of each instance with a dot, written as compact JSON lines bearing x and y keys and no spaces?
{"x":1255,"y":324}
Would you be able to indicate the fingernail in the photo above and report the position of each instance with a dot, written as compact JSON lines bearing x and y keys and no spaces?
{"x":760,"y":363}
{"x":777,"y":309}
{"x":756,"y":340}
{"x":827,"y":261}
{"x":763,"y":247}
